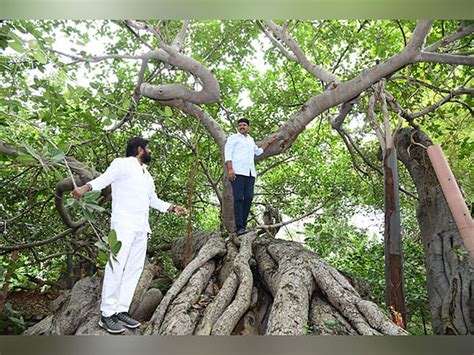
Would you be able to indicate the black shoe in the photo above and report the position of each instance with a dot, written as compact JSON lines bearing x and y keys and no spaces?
{"x":127,"y":321}
{"x":111,"y":324}
{"x":241,"y":231}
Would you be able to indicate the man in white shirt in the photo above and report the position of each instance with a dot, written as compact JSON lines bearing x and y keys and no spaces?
{"x":133,"y":192}
{"x":240,"y":151}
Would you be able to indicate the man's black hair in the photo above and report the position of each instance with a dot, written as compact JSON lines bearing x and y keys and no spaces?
{"x":244,"y":120}
{"x":133,"y":144}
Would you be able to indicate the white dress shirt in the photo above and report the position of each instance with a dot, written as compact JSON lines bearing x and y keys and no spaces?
{"x":133,"y":192}
{"x":240,"y":150}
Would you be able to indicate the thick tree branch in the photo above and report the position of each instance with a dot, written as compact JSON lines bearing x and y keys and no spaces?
{"x":444,"y":58}
{"x":7,"y":150}
{"x":210,"y":92}
{"x":450,"y":39}
{"x":346,"y":91}
{"x":313,"y":69}
{"x":422,"y":29}
{"x":178,"y":41}
{"x":211,"y":125}
{"x":277,"y":43}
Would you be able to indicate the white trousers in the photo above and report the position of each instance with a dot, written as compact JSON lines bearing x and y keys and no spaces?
{"x":121,"y":280}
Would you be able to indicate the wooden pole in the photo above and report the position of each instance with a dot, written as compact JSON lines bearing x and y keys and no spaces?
{"x":453,"y":195}
{"x":394,"y":289}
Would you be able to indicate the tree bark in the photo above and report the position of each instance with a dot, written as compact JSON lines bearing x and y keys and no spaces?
{"x":450,"y":277}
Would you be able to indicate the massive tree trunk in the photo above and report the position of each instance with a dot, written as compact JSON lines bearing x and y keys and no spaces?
{"x":450,"y":277}
{"x":255,"y":285}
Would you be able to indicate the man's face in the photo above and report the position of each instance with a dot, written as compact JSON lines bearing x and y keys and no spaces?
{"x":243,"y":128}
{"x":146,"y":154}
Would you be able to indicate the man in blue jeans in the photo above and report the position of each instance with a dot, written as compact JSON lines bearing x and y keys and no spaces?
{"x":240,"y":150}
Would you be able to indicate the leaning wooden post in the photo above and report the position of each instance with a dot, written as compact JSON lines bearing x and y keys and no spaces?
{"x":453,"y":195}
{"x":394,"y":288}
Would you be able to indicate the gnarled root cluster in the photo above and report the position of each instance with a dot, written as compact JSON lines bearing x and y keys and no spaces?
{"x":259,"y":285}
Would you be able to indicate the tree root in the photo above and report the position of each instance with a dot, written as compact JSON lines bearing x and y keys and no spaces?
{"x":212,"y":248}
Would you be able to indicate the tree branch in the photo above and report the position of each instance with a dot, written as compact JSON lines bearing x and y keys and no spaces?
{"x":38,"y":243}
{"x":126,"y":24}
{"x":210,"y":92}
{"x":277,"y":225}
{"x":449,"y":39}
{"x":411,"y":116}
{"x":313,"y":69}
{"x":277,"y":43}
{"x":422,"y":29}
{"x":178,"y":41}
{"x":444,"y":58}
{"x":95,"y":59}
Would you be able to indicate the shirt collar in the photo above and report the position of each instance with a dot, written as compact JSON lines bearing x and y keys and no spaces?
{"x":135,"y":159}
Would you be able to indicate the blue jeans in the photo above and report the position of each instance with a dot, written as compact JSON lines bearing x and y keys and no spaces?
{"x":242,"y":189}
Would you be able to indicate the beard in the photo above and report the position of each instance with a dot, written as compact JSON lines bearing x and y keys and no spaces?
{"x":146,"y":157}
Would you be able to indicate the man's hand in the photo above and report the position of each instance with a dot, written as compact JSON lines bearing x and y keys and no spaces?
{"x":231,"y":174}
{"x":81,"y":190}
{"x":180,"y":211}
{"x":272,"y":138}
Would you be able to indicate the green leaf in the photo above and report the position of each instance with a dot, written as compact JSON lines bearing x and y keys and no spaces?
{"x":116,"y":247}
{"x":15,"y":37}
{"x":168,"y":111}
{"x":89,"y":216}
{"x":33,"y":44}
{"x":58,"y":157}
{"x":91,"y":196}
{"x":25,"y":159}
{"x":16,"y":46}
{"x":9,"y":308}
{"x":39,"y":56}
{"x":102,"y":255}
{"x":95,"y":207}
{"x":112,"y":238}
{"x":70,"y":202}
{"x":126,"y":104}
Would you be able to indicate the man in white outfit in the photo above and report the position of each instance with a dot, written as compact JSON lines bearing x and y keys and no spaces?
{"x":239,"y":153}
{"x":133,"y":192}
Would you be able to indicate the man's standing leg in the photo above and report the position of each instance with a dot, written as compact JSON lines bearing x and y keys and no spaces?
{"x":131,"y":276}
{"x":238,"y":194}
{"x":248,"y":197}
{"x":113,"y":277}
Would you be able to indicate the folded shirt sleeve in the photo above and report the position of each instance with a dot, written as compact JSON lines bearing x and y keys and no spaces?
{"x":258,"y":151}
{"x":229,"y":148}
{"x":110,"y":175}
{"x":157,"y":203}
